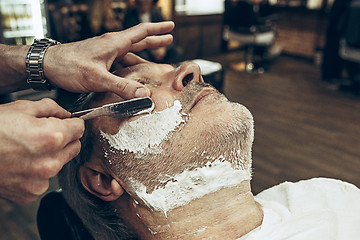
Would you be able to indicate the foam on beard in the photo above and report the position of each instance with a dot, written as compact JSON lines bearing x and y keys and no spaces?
{"x":144,"y":135}
{"x":224,"y":167}
{"x":189,"y":185}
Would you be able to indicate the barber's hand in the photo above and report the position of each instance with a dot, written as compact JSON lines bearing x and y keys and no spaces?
{"x":36,"y":140}
{"x":84,"y":66}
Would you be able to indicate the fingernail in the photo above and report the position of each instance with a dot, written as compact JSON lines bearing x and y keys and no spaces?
{"x":142,"y":92}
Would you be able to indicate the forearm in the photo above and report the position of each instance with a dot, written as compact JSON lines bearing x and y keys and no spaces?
{"x":12,"y":68}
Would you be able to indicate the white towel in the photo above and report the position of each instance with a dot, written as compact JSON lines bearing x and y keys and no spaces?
{"x":315,"y":209}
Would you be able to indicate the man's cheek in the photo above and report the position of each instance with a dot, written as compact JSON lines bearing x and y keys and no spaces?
{"x":107,"y":124}
{"x":162,"y":100}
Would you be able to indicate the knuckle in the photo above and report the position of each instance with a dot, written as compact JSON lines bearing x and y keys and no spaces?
{"x":107,"y":35}
{"x":47,"y":169}
{"x":48,"y":101}
{"x":48,"y":141}
{"x":40,"y":188}
{"x":122,"y":85}
{"x":144,"y":25}
{"x":34,"y":189}
{"x":54,"y":139}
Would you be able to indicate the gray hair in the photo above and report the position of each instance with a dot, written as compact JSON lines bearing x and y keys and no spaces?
{"x":98,"y":216}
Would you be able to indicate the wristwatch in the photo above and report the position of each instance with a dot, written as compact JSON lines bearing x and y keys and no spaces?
{"x":35,"y":76}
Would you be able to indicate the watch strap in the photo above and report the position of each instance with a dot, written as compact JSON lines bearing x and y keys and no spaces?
{"x":35,"y":76}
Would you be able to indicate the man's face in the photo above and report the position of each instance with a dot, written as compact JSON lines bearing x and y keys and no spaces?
{"x":212,"y":128}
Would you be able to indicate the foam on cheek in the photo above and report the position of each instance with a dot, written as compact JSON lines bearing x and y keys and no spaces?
{"x":191,"y":184}
{"x":144,"y":135}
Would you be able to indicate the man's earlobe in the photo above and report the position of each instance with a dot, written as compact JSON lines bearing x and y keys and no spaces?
{"x":100,"y":184}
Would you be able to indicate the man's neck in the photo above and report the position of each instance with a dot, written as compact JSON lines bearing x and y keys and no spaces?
{"x":226,"y":214}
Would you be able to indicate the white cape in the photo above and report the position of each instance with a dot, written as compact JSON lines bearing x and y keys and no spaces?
{"x":315,"y":209}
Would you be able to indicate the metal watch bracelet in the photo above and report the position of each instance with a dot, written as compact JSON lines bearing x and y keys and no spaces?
{"x":35,"y":76}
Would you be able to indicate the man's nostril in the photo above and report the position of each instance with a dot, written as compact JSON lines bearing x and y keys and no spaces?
{"x":188,"y":78}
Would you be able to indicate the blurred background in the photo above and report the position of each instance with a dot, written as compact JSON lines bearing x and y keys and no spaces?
{"x":293,"y":63}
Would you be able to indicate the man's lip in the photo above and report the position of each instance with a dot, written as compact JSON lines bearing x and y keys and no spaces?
{"x":203,"y":93}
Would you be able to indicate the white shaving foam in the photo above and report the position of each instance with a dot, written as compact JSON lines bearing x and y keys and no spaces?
{"x":145,"y":134}
{"x":190,"y":185}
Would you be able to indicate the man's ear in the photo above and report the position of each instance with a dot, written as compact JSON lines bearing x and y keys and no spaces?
{"x":98,"y":182}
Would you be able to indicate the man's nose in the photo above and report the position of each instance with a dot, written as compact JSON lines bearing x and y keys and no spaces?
{"x":186,"y":73}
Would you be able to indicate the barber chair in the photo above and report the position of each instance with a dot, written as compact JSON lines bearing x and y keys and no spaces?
{"x":350,"y":44}
{"x":349,"y":52}
{"x":57,"y":221}
{"x":243,"y":23}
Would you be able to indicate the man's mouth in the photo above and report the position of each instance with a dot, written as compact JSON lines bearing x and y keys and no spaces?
{"x":202,"y":95}
{"x":194,"y":93}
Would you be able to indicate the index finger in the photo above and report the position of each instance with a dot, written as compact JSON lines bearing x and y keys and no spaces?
{"x":131,"y":59}
{"x":47,"y":107}
{"x":142,"y":30}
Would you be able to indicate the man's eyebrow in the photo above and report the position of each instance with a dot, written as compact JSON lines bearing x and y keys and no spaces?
{"x":138,"y":68}
{"x":131,"y":69}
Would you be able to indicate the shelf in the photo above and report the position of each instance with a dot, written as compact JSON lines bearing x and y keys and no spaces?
{"x":15,"y":2}
{"x":19,"y":33}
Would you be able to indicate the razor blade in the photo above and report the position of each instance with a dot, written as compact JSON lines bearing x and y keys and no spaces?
{"x":123,"y":109}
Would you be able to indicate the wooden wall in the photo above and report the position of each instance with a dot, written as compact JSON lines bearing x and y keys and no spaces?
{"x":301,"y":31}
{"x":198,"y":36}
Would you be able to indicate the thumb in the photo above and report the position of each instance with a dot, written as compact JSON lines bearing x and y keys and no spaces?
{"x":126,"y":88}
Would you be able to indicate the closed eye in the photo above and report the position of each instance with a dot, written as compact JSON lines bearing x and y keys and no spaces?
{"x":145,"y":81}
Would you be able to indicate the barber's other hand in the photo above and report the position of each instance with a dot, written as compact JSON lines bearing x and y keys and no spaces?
{"x":84,"y":66}
{"x":36,"y":140}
